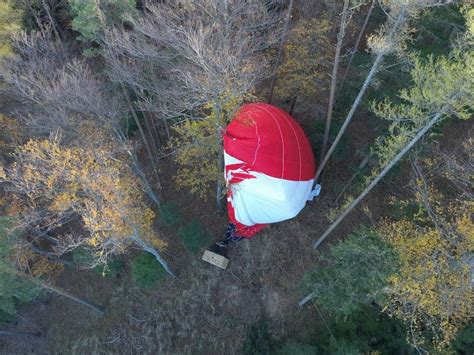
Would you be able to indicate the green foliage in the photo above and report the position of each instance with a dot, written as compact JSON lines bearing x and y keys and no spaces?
{"x":433,"y":35}
{"x":362,"y":332}
{"x":464,"y":342}
{"x":355,"y":273}
{"x":84,"y":258}
{"x":169,"y":215}
{"x":193,"y":236}
{"x":258,"y":341}
{"x":92,"y":16}
{"x":316,"y":137}
{"x":113,"y":268}
{"x":443,"y":86}
{"x":146,"y":271}
{"x":13,"y":290}
{"x":437,"y":28}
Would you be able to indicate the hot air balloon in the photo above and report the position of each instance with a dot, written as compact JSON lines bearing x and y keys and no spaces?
{"x":269,"y":170}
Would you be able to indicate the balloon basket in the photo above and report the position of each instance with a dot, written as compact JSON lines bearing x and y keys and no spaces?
{"x":216,"y":256}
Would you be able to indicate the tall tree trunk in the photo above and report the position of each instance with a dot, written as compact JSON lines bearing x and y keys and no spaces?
{"x":306,"y":299}
{"x":142,"y":133}
{"x":15,"y":333}
{"x":378,"y":59}
{"x":293,"y":104}
{"x":167,"y":130}
{"x":138,"y":170}
{"x":280,"y":51}
{"x":376,"y":180}
{"x":220,"y":158}
{"x":155,"y":132}
{"x":154,"y":146}
{"x":155,"y":253}
{"x":99,"y":309}
{"x":335,"y":66}
{"x":43,"y":236}
{"x":52,"y":21}
{"x":356,"y":45}
{"x":51,"y":256}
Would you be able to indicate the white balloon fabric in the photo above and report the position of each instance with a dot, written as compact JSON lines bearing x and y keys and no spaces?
{"x":269,"y":167}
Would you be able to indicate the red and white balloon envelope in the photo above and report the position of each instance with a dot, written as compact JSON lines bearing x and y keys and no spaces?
{"x":269,"y":167}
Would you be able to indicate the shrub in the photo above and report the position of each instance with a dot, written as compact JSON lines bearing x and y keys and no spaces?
{"x":113,"y":268}
{"x":90,"y":16}
{"x":356,"y":272}
{"x":464,"y":342}
{"x":146,"y":271}
{"x":169,"y":214}
{"x":84,"y":258}
{"x":193,"y":236}
{"x":362,"y":332}
{"x":258,"y":341}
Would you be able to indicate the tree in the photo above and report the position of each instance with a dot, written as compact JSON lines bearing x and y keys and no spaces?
{"x":280,"y":50}
{"x":43,"y":71}
{"x":342,"y":289}
{"x":433,"y":291}
{"x":202,"y":55}
{"x":10,"y":24}
{"x":304,"y":60}
{"x":19,"y":286}
{"x":91,"y":17}
{"x":419,"y":266}
{"x":442,"y":87}
{"x":13,"y":290}
{"x":345,"y":18}
{"x":356,"y":45}
{"x":390,"y":38}
{"x":61,"y":183}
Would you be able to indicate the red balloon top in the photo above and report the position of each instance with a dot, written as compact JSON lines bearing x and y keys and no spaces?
{"x":270,"y":141}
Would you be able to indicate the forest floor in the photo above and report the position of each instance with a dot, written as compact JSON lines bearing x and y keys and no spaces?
{"x":205,"y":309}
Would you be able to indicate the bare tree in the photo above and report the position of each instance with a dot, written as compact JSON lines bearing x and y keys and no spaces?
{"x":388,"y":40}
{"x":345,"y":17}
{"x":280,"y":50}
{"x":198,"y":53}
{"x":427,"y":107}
{"x":95,"y":307}
{"x":63,"y":94}
{"x":356,"y":45}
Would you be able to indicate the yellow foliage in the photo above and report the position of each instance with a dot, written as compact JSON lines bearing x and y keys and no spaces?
{"x":10,"y":23}
{"x":306,"y":59}
{"x":35,"y":264}
{"x":91,"y":182}
{"x":198,"y":144}
{"x":433,"y":289}
{"x":43,"y":266}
